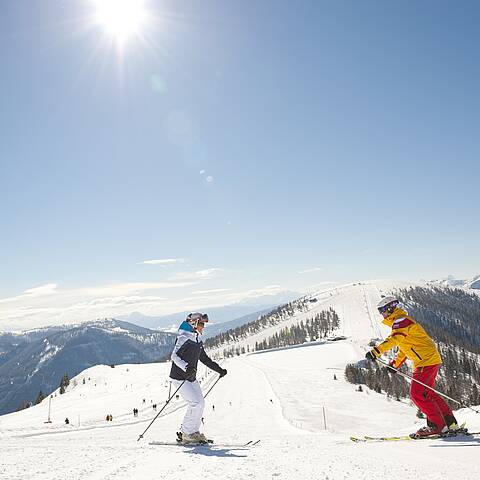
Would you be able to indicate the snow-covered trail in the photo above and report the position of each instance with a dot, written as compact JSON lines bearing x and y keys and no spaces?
{"x":275,"y":396}
{"x":355,"y":306}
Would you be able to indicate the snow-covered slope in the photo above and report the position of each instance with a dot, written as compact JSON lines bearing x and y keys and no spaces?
{"x":451,"y":281}
{"x":287,"y":398}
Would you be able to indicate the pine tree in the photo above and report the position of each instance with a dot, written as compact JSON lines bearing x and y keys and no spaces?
{"x":23,"y":405}
{"x":40,"y":397}
{"x":64,"y":382}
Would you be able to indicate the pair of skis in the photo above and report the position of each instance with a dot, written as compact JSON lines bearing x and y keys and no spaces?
{"x":462,"y":432}
{"x":210,"y":443}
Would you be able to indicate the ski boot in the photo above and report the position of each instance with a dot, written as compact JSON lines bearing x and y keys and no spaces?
{"x":192,"y":438}
{"x":429,"y":431}
{"x":453,"y":427}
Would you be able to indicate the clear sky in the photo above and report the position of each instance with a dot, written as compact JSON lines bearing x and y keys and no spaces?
{"x":212,"y":149}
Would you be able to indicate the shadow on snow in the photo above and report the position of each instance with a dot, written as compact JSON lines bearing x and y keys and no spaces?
{"x":211,"y":451}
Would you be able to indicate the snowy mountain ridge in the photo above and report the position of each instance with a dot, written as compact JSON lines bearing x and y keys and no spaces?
{"x":106,"y":323}
{"x":217,"y":314}
{"x":472,"y":283}
{"x":36,"y":360}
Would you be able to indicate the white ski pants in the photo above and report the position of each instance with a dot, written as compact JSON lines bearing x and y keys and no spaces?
{"x":192,"y":394}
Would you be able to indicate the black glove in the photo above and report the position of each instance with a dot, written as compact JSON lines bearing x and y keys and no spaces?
{"x":222,"y":372}
{"x":191,"y":372}
{"x":371,"y":356}
{"x":391,"y":369}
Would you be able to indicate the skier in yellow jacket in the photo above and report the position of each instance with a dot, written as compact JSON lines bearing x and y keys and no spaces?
{"x":415,"y":344}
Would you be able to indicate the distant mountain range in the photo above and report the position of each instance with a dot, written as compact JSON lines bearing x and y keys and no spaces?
{"x":217,"y":315}
{"x":216,"y":328}
{"x":37,"y":359}
{"x":451,"y":281}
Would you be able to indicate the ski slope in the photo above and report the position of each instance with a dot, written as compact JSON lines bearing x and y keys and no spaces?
{"x":287,"y":398}
{"x":355,"y":305}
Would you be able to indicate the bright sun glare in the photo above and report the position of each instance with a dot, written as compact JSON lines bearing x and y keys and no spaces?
{"x":121,"y":18}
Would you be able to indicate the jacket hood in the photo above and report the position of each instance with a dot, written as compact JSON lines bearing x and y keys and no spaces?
{"x":186,"y":327}
{"x":397,"y":313}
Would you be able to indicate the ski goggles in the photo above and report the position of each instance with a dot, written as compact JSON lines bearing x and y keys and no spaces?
{"x":386,"y":308}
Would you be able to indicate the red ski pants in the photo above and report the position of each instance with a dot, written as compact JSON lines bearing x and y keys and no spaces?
{"x":430,"y":403}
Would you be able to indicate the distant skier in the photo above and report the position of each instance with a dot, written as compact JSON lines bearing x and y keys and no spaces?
{"x":67,"y":421}
{"x":414,"y":343}
{"x":187,"y":352}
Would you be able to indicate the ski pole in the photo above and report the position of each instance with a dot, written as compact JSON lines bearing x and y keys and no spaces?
{"x":426,"y":386}
{"x":210,"y":389}
{"x":163,"y":408}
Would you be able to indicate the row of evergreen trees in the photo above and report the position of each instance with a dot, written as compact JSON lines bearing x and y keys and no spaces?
{"x":451,"y":317}
{"x":318,"y":327}
{"x":378,"y":379}
{"x":274,"y":317}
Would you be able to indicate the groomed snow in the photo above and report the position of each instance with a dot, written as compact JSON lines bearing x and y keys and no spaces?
{"x":278,"y":397}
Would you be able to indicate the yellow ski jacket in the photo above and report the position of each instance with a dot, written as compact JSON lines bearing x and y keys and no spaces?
{"x":411,"y":339}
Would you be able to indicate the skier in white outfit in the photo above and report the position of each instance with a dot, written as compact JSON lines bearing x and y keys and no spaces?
{"x":187,"y":352}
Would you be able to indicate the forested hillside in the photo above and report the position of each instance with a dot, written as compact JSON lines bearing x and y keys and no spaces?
{"x":319,"y":326}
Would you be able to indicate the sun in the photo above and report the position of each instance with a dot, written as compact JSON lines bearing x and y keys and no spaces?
{"x":121,"y":19}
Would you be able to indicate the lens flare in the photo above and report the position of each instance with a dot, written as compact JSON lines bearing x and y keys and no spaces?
{"x":121,"y":18}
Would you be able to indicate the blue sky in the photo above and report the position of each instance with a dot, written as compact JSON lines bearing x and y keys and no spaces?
{"x":243,"y":141}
